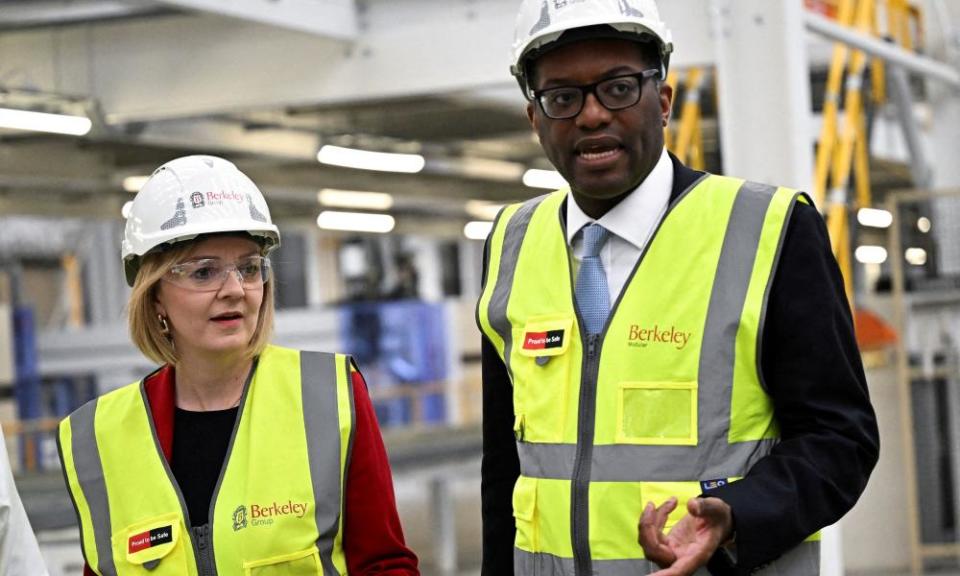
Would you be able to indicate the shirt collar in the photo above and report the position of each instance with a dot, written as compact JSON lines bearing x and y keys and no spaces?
{"x":636,"y":215}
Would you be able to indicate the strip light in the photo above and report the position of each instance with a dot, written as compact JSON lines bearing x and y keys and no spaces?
{"x":355,"y":221}
{"x":916,"y":256}
{"x":482,"y":210}
{"x":874,"y":218}
{"x":477,"y":230}
{"x":549,"y":179}
{"x":133,"y":184}
{"x":355,"y":199}
{"x":871,"y":254}
{"x":367,"y":160}
{"x":44,"y":122}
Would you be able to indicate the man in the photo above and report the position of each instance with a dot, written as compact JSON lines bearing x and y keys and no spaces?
{"x":661,"y":345}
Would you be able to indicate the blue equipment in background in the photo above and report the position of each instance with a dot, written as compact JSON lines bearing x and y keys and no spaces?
{"x":400,"y":345}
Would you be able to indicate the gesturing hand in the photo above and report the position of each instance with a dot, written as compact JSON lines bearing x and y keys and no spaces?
{"x":691,"y":542}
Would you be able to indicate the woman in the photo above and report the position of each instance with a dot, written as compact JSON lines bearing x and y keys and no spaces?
{"x":236,"y":456}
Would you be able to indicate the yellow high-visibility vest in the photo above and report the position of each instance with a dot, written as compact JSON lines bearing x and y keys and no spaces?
{"x":667,"y":401}
{"x":278,"y":507}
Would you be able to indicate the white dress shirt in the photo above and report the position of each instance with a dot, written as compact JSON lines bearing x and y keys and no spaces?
{"x":631,"y":224}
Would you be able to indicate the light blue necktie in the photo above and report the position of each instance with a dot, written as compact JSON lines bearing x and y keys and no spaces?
{"x":593,"y":298}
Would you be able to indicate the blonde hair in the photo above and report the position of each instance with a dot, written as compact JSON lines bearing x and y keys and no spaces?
{"x":144,"y":322}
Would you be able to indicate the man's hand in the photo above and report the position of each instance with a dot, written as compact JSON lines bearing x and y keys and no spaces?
{"x":691,"y":542}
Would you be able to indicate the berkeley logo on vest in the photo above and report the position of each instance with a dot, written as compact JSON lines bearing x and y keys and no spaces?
{"x":261,"y":515}
{"x":150,"y":538}
{"x":543,"y":340}
{"x":641,"y":337}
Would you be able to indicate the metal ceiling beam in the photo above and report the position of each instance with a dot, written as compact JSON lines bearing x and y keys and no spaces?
{"x":192,"y":66}
{"x":53,"y":13}
{"x":888,"y":51}
{"x":333,"y":18}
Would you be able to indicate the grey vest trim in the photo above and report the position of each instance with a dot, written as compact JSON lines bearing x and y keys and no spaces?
{"x":509,"y":255}
{"x":718,"y":354}
{"x":622,"y":462}
{"x":802,"y":560}
{"x":321,"y":419}
{"x":773,"y":272}
{"x":89,"y":468}
{"x":542,"y":564}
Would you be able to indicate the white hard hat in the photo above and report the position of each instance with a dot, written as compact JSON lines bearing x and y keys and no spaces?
{"x":542,"y":22}
{"x":190,"y":196}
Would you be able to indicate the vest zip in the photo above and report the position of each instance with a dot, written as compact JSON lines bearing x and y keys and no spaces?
{"x":208,"y":527}
{"x":580,"y":490}
{"x":204,"y":541}
{"x":201,"y":537}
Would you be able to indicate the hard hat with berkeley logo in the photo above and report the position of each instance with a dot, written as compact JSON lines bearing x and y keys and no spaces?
{"x":541,"y":23}
{"x":191,"y":196}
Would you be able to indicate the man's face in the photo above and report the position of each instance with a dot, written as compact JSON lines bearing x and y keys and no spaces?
{"x":603,"y":154}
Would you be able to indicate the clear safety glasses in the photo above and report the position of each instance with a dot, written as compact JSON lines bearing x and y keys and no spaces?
{"x":210,"y":274}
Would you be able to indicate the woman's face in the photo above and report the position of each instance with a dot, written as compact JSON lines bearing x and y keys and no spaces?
{"x":221,"y":318}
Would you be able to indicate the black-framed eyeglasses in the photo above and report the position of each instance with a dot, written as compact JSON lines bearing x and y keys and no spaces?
{"x":614,"y":93}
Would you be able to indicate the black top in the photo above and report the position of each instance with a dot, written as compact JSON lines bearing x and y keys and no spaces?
{"x":200,"y":442}
{"x":812,"y":369}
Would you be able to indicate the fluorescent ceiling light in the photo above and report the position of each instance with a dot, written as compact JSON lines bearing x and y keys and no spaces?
{"x":133,"y":184}
{"x":923,"y":224}
{"x":483,"y":210}
{"x":477,"y":230}
{"x":355,"y":221}
{"x":916,"y":256}
{"x":366,"y":160}
{"x":874,"y":218}
{"x":549,"y":179}
{"x":491,"y":169}
{"x":871,"y":254}
{"x":44,"y":122}
{"x":355,"y":199}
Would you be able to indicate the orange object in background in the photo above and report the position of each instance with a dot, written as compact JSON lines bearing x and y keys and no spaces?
{"x":873,"y":332}
{"x":826,"y":7}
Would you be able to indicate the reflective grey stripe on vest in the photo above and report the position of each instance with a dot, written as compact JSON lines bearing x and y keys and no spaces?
{"x":803,"y":560}
{"x":89,"y":468}
{"x":318,"y":384}
{"x":619,"y":462}
{"x":718,"y":354}
{"x":541,"y":564}
{"x":509,"y":254}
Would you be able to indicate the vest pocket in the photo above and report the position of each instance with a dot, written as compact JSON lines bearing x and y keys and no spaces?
{"x":155,"y":546}
{"x":541,"y":363}
{"x":525,"y":514}
{"x":302,"y":563}
{"x":658,"y":413}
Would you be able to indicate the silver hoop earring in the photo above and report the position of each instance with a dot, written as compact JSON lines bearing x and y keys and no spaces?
{"x":164,"y":326}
